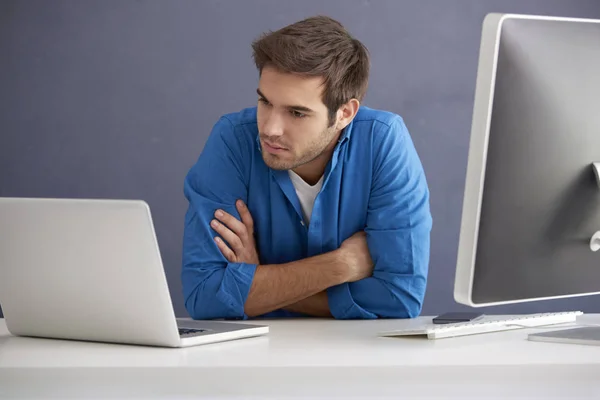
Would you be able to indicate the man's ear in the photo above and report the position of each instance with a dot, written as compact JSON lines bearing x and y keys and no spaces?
{"x":346,"y":113}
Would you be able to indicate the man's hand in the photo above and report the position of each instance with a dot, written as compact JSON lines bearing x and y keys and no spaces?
{"x":356,"y":256}
{"x":357,"y":264}
{"x":239,"y":245}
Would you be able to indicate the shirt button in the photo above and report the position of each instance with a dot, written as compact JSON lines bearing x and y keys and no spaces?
{"x":301,"y":222}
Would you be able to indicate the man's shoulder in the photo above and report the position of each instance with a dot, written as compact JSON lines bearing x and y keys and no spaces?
{"x":233,"y":133}
{"x":375,"y":127}
{"x":245,"y":118}
{"x":377,"y":116}
{"x":236,"y":129}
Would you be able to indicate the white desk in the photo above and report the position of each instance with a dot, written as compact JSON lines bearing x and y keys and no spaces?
{"x":306,"y":358}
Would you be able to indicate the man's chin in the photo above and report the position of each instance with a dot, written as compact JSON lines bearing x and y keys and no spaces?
{"x":275,"y":163}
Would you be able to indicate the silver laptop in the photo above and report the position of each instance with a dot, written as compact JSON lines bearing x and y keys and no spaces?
{"x":86,"y":269}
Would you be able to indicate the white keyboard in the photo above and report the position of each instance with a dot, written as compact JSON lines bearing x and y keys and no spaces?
{"x":486,"y":324}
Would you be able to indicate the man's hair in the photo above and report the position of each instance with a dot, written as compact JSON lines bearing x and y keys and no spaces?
{"x":318,"y":46}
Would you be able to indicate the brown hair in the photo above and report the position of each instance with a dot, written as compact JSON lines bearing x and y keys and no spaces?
{"x":318,"y":46}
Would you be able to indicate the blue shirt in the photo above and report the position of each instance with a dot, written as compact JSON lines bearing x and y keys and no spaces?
{"x":374,"y":182}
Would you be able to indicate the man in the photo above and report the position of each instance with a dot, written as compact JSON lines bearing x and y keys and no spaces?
{"x":309,"y":204}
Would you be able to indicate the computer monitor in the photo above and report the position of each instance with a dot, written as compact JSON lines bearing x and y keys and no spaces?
{"x":530,"y":226}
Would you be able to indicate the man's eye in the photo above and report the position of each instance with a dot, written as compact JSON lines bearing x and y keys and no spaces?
{"x":298,"y":114}
{"x":265,"y":102}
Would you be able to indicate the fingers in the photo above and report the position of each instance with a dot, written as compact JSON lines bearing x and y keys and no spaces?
{"x":232,"y":223}
{"x":227,"y":234}
{"x":235,"y":234}
{"x":245,"y":215}
{"x":225,"y":250}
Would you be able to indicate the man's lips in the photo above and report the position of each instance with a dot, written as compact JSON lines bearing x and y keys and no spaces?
{"x":273,"y":148}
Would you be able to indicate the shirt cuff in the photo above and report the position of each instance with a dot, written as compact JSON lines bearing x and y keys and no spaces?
{"x":341,"y":303}
{"x":235,"y":287}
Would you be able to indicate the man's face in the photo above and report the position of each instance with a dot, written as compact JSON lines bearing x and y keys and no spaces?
{"x":292,"y":119}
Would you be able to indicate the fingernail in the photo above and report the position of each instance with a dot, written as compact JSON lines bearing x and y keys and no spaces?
{"x":213,"y":223}
{"x":219,"y":213}
{"x":240,"y":203}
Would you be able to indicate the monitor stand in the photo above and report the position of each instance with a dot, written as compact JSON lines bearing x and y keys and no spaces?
{"x":588,"y":335}
{"x":595,"y":242}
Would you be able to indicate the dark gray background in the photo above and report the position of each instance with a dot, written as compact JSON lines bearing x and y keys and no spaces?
{"x":115,"y":99}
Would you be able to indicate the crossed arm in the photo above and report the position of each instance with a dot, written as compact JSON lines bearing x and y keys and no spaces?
{"x":298,"y":286}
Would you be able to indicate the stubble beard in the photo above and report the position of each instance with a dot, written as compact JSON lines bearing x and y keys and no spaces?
{"x":315,"y":151}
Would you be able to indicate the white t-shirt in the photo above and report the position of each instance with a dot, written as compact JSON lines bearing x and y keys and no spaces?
{"x":306,"y":193}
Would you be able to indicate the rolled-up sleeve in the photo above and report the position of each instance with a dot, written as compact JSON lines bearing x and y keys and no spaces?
{"x":212,"y":286}
{"x":398,"y":235}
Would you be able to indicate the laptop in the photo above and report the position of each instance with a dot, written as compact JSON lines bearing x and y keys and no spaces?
{"x":91,"y":270}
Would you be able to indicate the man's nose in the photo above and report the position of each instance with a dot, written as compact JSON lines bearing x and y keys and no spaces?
{"x":273,"y":125}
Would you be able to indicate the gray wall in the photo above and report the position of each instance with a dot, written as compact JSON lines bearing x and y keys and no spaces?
{"x":114,"y":99}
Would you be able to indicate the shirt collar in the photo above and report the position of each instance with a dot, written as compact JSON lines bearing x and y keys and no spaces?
{"x":346,"y":133}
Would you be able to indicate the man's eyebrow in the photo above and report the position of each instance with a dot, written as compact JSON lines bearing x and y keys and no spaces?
{"x":292,"y":107}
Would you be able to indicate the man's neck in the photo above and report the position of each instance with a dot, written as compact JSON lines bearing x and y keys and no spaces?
{"x":312,"y":171}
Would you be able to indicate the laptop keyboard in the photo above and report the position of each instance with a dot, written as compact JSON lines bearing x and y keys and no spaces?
{"x":189,"y":331}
